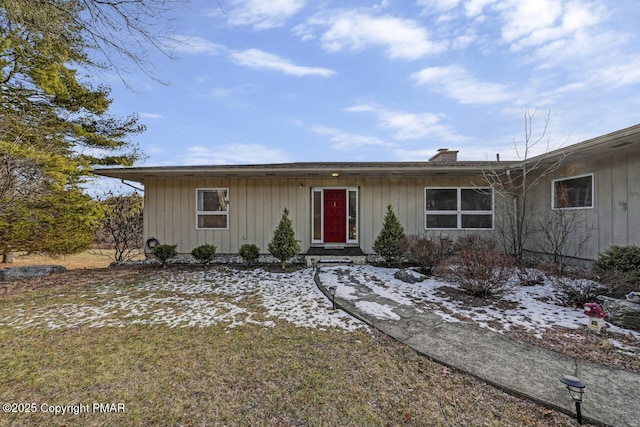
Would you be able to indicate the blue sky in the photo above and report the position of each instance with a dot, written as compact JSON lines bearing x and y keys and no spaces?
{"x":296,"y":80}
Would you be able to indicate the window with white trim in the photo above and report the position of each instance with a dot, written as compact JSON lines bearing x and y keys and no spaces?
{"x":459,"y":208}
{"x":212,"y":209}
{"x":572,"y":193}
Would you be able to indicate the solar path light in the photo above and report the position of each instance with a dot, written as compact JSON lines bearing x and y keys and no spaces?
{"x":576,"y":390}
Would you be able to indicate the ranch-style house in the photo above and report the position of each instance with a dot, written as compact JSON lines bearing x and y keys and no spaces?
{"x":338,"y":207}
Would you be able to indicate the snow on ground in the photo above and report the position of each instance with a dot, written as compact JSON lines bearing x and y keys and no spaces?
{"x":191,"y":299}
{"x":535,"y":308}
{"x":235,"y":297}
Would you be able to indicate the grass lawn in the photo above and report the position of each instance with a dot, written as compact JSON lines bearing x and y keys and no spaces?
{"x":98,"y":258}
{"x":248,"y":375}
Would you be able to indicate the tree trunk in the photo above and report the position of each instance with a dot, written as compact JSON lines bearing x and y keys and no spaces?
{"x":7,"y":257}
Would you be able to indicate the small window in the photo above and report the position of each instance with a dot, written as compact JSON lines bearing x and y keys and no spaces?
{"x":317,"y":215}
{"x":212,"y":210}
{"x":573,"y":193}
{"x":458,"y":208}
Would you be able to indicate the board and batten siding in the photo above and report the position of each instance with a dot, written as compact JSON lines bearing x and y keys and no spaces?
{"x":256,"y":204}
{"x":615,"y":216}
{"x":618,"y":199}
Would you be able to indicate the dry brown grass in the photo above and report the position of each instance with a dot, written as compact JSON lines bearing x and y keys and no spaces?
{"x":246,"y":376}
{"x":282,"y":376}
{"x":89,"y":259}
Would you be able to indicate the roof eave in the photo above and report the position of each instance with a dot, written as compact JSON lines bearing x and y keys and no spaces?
{"x":325,"y":170}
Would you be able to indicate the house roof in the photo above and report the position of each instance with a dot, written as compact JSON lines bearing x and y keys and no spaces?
{"x":601,"y":145}
{"x":608,"y":143}
{"x":301,"y":169}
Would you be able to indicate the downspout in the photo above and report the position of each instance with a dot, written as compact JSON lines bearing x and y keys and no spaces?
{"x":514,"y":219}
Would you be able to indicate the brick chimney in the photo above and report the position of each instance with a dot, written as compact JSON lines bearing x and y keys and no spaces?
{"x":445,"y":155}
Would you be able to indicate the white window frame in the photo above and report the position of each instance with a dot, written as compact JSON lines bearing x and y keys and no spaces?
{"x":553,"y":192}
{"x":348,"y":206}
{"x":224,"y":213}
{"x":459,"y":212}
{"x":315,"y":190}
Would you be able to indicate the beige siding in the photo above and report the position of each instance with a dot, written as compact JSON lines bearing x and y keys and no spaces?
{"x":633,"y":207}
{"x":255,"y":208}
{"x":615,"y":218}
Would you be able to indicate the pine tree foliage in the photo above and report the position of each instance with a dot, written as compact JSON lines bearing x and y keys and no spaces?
{"x":388,"y":244}
{"x":55,"y":126}
{"x":284,"y":244}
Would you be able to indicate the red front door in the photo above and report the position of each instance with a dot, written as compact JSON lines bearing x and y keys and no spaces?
{"x":335,"y":216}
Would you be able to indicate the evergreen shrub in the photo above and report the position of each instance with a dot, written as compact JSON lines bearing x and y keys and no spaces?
{"x":388,"y":244}
{"x":249,"y":252}
{"x":204,"y":253}
{"x":165,"y":252}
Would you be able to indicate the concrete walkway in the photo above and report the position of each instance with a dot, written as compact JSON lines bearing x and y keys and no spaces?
{"x":612,"y":396}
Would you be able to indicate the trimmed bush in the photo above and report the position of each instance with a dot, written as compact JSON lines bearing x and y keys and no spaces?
{"x":621,"y":259}
{"x":249,"y":252}
{"x":481,"y":271}
{"x":284,"y":244}
{"x":165,"y":252}
{"x":577,"y":289}
{"x":426,"y":253}
{"x":473,"y":242}
{"x":204,"y":253}
{"x":388,"y":243}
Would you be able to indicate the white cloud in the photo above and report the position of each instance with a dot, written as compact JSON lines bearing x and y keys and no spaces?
{"x":528,"y":23}
{"x":455,"y":82}
{"x":234,"y":92}
{"x":264,"y":14}
{"x":357,"y":30}
{"x":256,"y":58}
{"x":440,"y":5}
{"x":474,"y":8}
{"x":346,"y":141}
{"x":409,"y":126}
{"x":622,"y":74}
{"x":152,"y":116}
{"x":192,"y":45}
{"x":233,"y":154}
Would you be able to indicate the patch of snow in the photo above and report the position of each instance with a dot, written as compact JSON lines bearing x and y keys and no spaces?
{"x":236,"y":297}
{"x":194,"y":299}
{"x":536,"y":308}
{"x":377,"y":310}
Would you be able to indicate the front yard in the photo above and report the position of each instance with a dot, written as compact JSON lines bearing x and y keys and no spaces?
{"x":225,"y":346}
{"x":534,"y":314}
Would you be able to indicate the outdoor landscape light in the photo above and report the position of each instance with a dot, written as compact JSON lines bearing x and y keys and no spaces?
{"x":332,"y":291}
{"x":576,"y":389}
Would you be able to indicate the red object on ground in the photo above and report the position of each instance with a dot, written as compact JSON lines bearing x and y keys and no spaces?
{"x":592,"y":309}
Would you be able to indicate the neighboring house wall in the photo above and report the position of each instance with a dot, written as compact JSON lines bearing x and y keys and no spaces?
{"x":256,"y":204}
{"x":614,"y":218}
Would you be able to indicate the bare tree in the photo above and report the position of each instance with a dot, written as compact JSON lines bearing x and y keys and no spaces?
{"x":513,"y":185}
{"x":564,"y":232}
{"x":123,"y":228}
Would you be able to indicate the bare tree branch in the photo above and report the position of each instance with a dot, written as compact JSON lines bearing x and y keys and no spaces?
{"x":514,"y":184}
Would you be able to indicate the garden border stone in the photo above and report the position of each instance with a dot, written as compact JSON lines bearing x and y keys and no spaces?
{"x":28,"y":272}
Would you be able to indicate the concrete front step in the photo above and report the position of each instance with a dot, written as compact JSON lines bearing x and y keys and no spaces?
{"x":333,"y":260}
